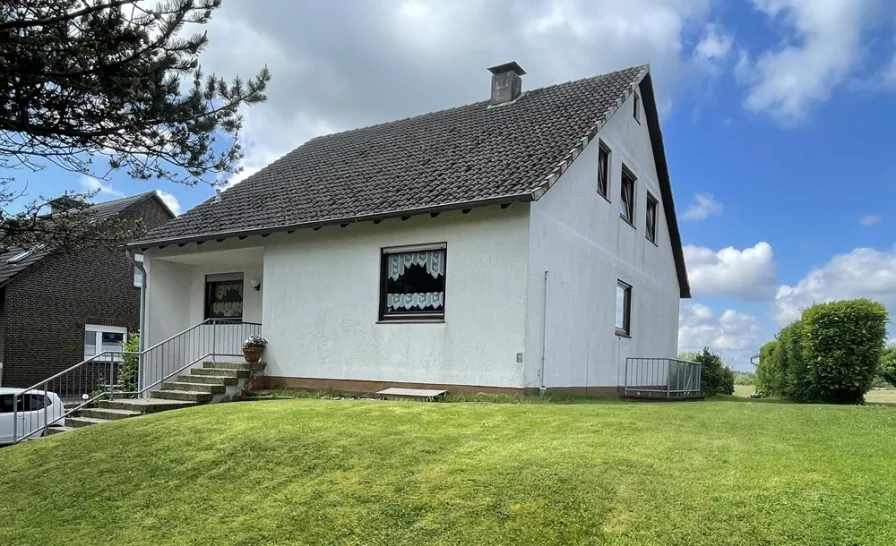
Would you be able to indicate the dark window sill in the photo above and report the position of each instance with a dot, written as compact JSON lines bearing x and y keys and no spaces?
{"x":440,"y":320}
{"x":652,"y":241}
{"x":606,"y":197}
{"x":623,"y":333}
{"x":621,"y":217}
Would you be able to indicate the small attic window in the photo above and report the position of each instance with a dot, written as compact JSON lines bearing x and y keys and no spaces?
{"x":22,"y":255}
{"x":637,"y":109}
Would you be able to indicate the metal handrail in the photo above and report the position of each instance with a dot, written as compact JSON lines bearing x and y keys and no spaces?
{"x":671,"y":377}
{"x":172,"y":347}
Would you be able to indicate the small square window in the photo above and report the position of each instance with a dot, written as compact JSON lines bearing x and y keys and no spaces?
{"x":603,"y":171}
{"x":651,"y":218}
{"x":99,"y":339}
{"x":623,"y":308}
{"x":627,"y":202}
{"x":637,"y":109}
{"x":224,"y":296}
{"x":412,"y":283}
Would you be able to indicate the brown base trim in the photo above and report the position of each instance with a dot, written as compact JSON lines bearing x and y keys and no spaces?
{"x":363,"y":386}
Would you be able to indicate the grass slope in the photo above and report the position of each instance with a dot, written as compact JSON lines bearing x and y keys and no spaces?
{"x":364,"y":472}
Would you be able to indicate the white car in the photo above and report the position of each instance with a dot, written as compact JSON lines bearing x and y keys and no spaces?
{"x":35,"y":409}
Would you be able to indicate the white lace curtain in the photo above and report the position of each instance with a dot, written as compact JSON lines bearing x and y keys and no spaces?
{"x":431,"y":260}
{"x":228,"y":299}
{"x":419,"y":300}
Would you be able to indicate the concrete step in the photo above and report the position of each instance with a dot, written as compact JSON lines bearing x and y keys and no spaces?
{"x":219,"y":372}
{"x":107,"y":413}
{"x":145,"y":405}
{"x":227,"y":365}
{"x":58,"y":430}
{"x":188,"y":396}
{"x":193,"y":387}
{"x":208,"y":379}
{"x":77,"y":422}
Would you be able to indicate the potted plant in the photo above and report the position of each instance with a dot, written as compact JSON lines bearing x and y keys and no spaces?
{"x":253,"y":347}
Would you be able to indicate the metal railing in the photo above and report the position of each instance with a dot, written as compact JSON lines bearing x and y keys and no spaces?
{"x":661,"y":378}
{"x":123,"y":374}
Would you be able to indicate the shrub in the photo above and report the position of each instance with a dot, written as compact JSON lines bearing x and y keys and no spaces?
{"x":128,"y":375}
{"x":715,"y":376}
{"x":767,"y":370}
{"x":842,"y":343}
{"x":888,"y":366}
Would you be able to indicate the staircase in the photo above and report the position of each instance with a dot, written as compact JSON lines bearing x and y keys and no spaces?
{"x":213,"y":382}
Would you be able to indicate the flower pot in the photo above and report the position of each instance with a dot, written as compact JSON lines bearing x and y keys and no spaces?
{"x":252,"y":354}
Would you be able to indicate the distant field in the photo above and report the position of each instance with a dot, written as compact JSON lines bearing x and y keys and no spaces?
{"x":876,"y":396}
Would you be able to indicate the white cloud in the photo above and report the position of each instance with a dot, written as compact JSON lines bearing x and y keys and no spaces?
{"x":102,"y":191}
{"x":869,"y":220}
{"x":863,"y":273}
{"x":749,"y":274}
{"x":345,"y":64}
{"x":734,"y":335}
{"x":704,"y":206}
{"x":715,"y":45}
{"x":821,"y":45}
{"x":170,"y":201}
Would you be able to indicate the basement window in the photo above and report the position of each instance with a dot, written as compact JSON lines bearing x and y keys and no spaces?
{"x":651,"y":218}
{"x":623,"y":309}
{"x":100,"y":339}
{"x":627,"y":202}
{"x":412,"y":283}
{"x":603,"y":171}
{"x":224,"y":296}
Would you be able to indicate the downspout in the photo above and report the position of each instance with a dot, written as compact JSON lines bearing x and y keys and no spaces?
{"x":544,"y":332}
{"x":139,"y":266}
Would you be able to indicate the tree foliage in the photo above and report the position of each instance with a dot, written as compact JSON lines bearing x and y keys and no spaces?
{"x":830,"y":355}
{"x":715,"y":376}
{"x":94,"y":86}
{"x":888,"y":365}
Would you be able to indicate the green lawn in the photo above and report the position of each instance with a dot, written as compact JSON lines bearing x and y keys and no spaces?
{"x":306,"y":471}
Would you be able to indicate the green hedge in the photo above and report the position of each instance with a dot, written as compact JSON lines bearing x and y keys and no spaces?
{"x":830,"y":355}
{"x":842,"y":343}
{"x":888,"y":365}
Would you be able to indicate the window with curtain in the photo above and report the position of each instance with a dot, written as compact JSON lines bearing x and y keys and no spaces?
{"x":603,"y":171}
{"x":651,"y":218}
{"x":412,"y":284}
{"x":627,"y":202}
{"x":224,"y":296}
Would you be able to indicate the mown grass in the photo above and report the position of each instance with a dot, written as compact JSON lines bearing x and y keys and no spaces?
{"x":311,"y":471}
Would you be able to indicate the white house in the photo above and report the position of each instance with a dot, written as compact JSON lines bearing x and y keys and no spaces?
{"x":524,"y":242}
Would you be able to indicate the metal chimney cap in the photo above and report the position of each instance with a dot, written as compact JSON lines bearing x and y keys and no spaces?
{"x":512,"y":66}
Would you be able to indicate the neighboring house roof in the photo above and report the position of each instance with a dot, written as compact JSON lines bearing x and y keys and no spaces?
{"x":100,"y":212}
{"x":469,"y":156}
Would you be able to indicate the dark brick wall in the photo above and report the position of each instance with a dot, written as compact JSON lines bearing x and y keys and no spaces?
{"x":48,"y":304}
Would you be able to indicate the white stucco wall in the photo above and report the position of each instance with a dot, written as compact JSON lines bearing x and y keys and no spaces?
{"x":322,"y":295}
{"x":580,"y":239}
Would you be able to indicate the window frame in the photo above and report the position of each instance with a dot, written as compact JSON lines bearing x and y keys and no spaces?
{"x":651,"y":210}
{"x":626,"y":330}
{"x":211,"y":280}
{"x":626,"y":173}
{"x":138,"y":274}
{"x":99,"y":330}
{"x":637,"y":107}
{"x":384,"y":317}
{"x":604,"y":149}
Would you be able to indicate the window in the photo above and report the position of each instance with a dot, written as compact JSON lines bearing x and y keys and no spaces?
{"x":603,"y":171}
{"x":138,"y":275}
{"x":623,"y":309}
{"x":26,"y":402}
{"x":637,"y":110}
{"x":412,"y":283}
{"x":101,"y":339}
{"x":224,"y":296}
{"x":627,"y":203}
{"x":651,"y":218}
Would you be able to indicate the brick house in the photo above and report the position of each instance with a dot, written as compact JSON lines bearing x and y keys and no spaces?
{"x":56,"y":309}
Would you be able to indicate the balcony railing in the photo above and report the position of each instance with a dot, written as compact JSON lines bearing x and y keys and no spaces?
{"x":660,"y":378}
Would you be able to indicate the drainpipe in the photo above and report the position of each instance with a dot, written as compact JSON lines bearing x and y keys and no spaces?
{"x":138,"y":264}
{"x":544,"y":332}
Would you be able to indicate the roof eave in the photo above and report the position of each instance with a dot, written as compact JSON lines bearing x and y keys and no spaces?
{"x":436,"y":209}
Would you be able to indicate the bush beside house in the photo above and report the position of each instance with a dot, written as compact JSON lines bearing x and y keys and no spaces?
{"x":830,"y":355}
{"x":715,"y":376}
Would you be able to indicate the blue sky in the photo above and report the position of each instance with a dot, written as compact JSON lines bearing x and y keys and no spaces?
{"x":776,"y":116}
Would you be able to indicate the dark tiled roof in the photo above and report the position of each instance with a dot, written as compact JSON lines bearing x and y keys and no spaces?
{"x":466,"y":156}
{"x":100,"y":212}
{"x":463,"y":155}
